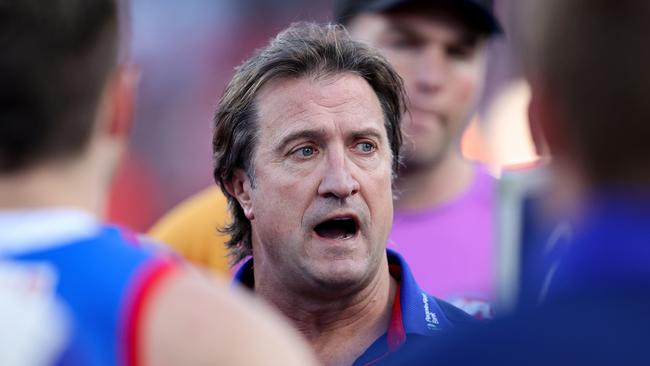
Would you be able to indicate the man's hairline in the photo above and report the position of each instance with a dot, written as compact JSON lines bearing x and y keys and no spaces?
{"x":250,"y":169}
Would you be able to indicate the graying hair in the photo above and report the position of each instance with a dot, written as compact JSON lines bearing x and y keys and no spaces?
{"x":302,"y":50}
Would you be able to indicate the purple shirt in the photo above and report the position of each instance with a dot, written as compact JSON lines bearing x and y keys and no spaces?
{"x":451,"y":248}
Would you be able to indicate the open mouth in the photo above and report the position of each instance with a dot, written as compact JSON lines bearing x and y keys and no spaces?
{"x":339,"y":228}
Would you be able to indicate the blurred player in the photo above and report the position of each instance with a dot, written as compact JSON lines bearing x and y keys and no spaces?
{"x":587,"y":63}
{"x":99,"y":295}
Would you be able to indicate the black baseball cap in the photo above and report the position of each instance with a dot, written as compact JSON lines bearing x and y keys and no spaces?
{"x":477,"y":13}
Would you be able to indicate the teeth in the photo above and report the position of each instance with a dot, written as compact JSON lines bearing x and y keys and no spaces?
{"x":340,"y":228}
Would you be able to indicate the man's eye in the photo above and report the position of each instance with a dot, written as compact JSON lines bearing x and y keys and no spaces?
{"x":305,"y":151}
{"x":365,"y":147}
{"x":462,"y":52}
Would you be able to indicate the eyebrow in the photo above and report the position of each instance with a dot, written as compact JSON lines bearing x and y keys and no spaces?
{"x":405,"y":29}
{"x":367,"y":132}
{"x":465,"y":38}
{"x":319,"y":136}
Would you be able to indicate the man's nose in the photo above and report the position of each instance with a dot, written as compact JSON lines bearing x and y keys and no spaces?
{"x":338,"y":180}
{"x":431,"y":70}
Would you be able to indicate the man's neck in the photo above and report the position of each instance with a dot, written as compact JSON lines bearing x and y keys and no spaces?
{"x":339,"y":330}
{"x":435,"y":184}
{"x":54,"y":185}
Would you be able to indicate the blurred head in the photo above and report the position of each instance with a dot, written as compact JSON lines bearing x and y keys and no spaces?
{"x":306,"y":142}
{"x":439,"y":49}
{"x":59,"y":80}
{"x":588,"y":64}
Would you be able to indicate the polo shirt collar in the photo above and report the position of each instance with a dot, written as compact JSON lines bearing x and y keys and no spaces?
{"x":421,"y":313}
{"x":417,"y":313}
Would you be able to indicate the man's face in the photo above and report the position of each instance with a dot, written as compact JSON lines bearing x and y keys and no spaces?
{"x":321,"y":201}
{"x":442,"y":64}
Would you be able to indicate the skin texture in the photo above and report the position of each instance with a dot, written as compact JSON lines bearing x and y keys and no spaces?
{"x":311,"y":163}
{"x":443,"y":66}
{"x":322,"y":151}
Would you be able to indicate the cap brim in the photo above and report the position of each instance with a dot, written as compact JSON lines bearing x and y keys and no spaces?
{"x":474,"y":13}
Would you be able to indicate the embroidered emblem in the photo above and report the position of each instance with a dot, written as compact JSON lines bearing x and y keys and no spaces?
{"x":429,"y":317}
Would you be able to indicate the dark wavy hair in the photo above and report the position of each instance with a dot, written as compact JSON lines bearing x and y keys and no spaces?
{"x":302,"y":50}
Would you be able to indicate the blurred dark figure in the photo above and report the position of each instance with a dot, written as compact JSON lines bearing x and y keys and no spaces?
{"x":73,"y":290}
{"x":587,"y":62}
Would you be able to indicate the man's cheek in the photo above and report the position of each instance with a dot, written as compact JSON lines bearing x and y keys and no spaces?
{"x":466,"y":89}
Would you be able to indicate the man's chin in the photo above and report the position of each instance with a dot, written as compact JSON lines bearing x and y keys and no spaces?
{"x":429,"y":155}
{"x":339,"y":279}
{"x":420,"y":162}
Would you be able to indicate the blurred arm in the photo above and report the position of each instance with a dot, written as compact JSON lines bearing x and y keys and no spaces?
{"x":192,"y":321}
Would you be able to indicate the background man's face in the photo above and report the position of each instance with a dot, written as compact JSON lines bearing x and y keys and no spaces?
{"x":442,"y":64}
{"x":322,"y":199}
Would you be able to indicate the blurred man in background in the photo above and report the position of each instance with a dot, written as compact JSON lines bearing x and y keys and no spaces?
{"x":587,"y":63}
{"x":101,"y":297}
{"x":306,"y":144}
{"x":444,"y":207}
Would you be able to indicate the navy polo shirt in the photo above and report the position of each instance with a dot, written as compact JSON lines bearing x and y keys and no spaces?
{"x":416,"y":315}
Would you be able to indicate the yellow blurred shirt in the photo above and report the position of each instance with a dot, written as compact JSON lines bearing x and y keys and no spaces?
{"x":191,"y":229}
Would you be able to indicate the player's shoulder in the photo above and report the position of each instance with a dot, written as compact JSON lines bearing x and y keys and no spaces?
{"x":221,"y":320}
{"x":121,"y":243}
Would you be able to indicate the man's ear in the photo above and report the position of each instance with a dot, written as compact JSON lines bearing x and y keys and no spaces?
{"x":542,"y":119}
{"x":120,"y":100}
{"x":535,"y":115}
{"x":240,"y":187}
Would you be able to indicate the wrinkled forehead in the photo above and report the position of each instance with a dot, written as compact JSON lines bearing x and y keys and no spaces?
{"x":343,"y":101}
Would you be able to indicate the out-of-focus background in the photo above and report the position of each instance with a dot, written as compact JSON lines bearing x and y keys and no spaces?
{"x":188,"y":50}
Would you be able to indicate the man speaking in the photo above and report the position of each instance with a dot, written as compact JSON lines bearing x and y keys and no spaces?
{"x":306,"y":146}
